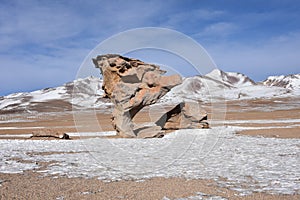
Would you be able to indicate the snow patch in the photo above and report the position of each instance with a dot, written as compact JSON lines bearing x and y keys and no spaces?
{"x":43,"y":96}
{"x":16,"y":135}
{"x":245,"y":164}
{"x":289,"y":81}
{"x":231,"y":78}
{"x":261,"y":121}
{"x":92,"y":134}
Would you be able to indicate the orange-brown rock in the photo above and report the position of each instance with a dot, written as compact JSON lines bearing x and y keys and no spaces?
{"x":186,"y":115}
{"x":131,"y":85}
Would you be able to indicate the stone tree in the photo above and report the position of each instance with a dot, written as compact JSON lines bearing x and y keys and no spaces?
{"x":131,"y":85}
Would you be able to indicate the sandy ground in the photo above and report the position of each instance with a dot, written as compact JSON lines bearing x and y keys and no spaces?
{"x":30,"y":185}
{"x":91,"y":121}
{"x":274,"y":132}
{"x":34,"y":186}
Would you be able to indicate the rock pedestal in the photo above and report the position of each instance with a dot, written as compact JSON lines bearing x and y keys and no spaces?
{"x":131,"y":85}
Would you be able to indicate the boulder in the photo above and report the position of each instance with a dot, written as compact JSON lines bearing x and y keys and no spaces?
{"x":186,"y":115}
{"x":131,"y":85}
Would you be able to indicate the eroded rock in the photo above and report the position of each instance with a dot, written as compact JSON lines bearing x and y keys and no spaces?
{"x":131,"y":85}
{"x":186,"y":115}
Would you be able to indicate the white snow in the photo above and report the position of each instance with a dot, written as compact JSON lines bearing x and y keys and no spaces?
{"x":199,"y":196}
{"x":19,"y":94}
{"x":14,"y":121}
{"x":42,"y":96}
{"x":213,"y":87}
{"x":12,"y":128}
{"x":218,"y":85}
{"x":256,"y":92}
{"x":8,"y":101}
{"x":289,"y":81}
{"x":81,"y":92}
{"x":92,"y":134}
{"x":207,"y":90}
{"x":196,"y":88}
{"x":240,"y":80}
{"x":15,"y":135}
{"x":202,"y":196}
{"x":261,"y":121}
{"x":261,"y":127}
{"x":248,"y":164}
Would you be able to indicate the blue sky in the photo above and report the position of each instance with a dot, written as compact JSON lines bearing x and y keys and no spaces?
{"x":43,"y":43}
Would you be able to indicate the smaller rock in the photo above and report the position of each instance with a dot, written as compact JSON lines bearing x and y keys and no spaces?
{"x":148,"y":131}
{"x":50,"y":133}
{"x":186,"y":115}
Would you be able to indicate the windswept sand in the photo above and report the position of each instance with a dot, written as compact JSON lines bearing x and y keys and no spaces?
{"x":274,"y":132}
{"x":33,"y":186}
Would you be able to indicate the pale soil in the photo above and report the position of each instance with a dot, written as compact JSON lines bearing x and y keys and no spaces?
{"x":33,"y":186}
{"x":83,"y":122}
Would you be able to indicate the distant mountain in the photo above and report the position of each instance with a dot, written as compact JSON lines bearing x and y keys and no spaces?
{"x":196,"y":88}
{"x":218,"y":85}
{"x":214,"y":81}
{"x":86,"y":93}
{"x":289,"y":81}
{"x":231,"y":78}
{"x":80,"y":93}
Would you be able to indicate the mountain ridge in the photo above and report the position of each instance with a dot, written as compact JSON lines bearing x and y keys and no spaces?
{"x":291,"y":81}
{"x":87,"y":93}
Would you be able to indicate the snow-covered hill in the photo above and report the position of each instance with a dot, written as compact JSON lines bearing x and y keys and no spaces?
{"x":289,"y":81}
{"x":231,"y":78}
{"x":199,"y":88}
{"x":217,"y":85}
{"x":242,"y":87}
{"x":80,"y":93}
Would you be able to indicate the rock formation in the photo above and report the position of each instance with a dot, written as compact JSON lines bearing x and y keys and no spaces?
{"x":183,"y":116}
{"x":131,"y":85}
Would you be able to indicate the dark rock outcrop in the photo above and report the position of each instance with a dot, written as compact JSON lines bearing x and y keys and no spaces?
{"x":49,"y":133}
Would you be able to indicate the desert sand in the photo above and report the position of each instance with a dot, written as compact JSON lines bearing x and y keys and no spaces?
{"x":32,"y":186}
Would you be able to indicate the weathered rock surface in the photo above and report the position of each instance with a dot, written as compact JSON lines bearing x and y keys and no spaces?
{"x":186,"y":115}
{"x":131,"y":85}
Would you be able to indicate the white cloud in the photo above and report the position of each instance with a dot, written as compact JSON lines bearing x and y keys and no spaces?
{"x":36,"y":23}
{"x":220,"y":29}
{"x":43,"y":43}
